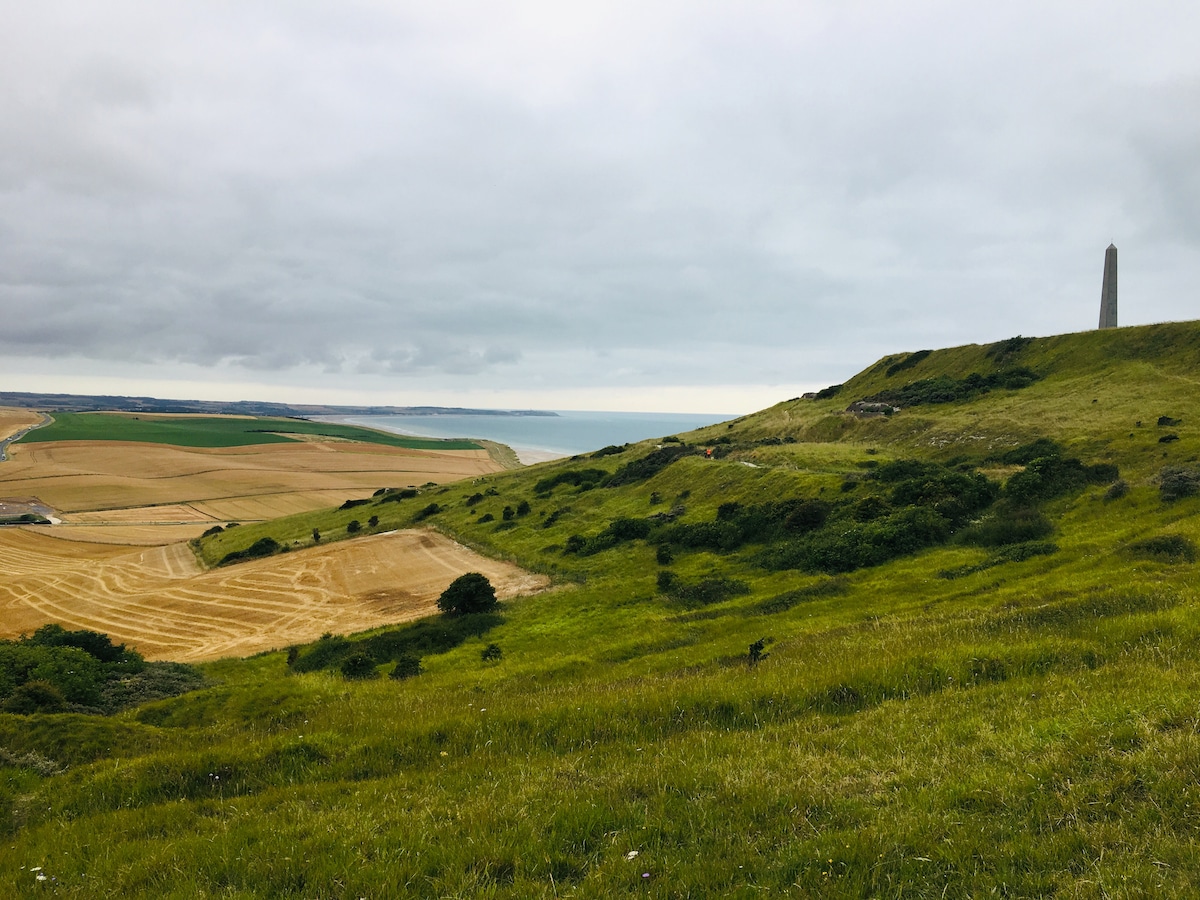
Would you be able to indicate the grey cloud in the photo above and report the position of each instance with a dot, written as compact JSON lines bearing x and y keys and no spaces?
{"x":780,"y":194}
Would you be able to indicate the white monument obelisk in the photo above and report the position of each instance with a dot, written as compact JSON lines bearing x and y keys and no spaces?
{"x":1108,"y":293}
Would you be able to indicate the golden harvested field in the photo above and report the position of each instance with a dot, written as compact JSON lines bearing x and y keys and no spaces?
{"x":82,"y":478}
{"x":119,"y":562}
{"x":157,"y":600}
{"x":13,"y":420}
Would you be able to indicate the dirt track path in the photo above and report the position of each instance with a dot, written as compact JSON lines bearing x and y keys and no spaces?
{"x":157,"y":599}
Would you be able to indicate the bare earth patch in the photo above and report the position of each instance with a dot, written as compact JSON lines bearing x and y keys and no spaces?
{"x":157,"y":600}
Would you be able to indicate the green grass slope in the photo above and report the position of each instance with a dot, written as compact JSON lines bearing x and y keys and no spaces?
{"x":1004,"y":703}
{"x":216,"y":431}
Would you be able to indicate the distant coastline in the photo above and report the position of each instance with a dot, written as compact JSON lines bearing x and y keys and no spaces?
{"x":539,"y":438}
{"x":106,"y":403}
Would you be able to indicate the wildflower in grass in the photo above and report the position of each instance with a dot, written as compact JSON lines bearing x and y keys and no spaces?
{"x":632,"y":854}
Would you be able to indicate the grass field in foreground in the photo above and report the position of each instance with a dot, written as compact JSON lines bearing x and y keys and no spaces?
{"x":217,"y":431}
{"x":943,"y":725}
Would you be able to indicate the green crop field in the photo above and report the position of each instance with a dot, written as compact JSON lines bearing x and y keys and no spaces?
{"x":950,"y":651}
{"x":217,"y":431}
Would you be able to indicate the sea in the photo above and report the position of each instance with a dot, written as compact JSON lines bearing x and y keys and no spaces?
{"x":538,"y":438}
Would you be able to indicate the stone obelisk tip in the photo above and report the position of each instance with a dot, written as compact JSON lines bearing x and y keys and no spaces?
{"x":1108,"y":292}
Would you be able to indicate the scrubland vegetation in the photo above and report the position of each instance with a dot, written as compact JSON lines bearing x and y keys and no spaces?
{"x":951,"y":651}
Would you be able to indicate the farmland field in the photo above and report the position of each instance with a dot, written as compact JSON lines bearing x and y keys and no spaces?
{"x":159,"y":601}
{"x":118,"y":562}
{"x":13,"y":420}
{"x":218,"y":431}
{"x":129,"y":483}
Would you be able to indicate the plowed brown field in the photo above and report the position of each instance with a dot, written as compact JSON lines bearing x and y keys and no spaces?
{"x":158,"y":601}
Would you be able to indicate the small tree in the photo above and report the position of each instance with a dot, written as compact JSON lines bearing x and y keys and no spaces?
{"x":758,"y":651}
{"x":353,"y":526}
{"x":316,"y":536}
{"x":523,"y":508}
{"x":470,"y":593}
{"x":491,"y":653}
{"x":507,"y":514}
{"x":373,"y":522}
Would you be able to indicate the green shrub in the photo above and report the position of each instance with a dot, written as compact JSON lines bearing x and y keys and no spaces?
{"x":468,"y":594}
{"x":392,"y":495}
{"x":1169,"y":547}
{"x":907,"y":362}
{"x":649,"y":465}
{"x":1177,"y":482}
{"x":407,"y":666}
{"x":425,"y":512}
{"x":264,"y":546}
{"x":944,"y":389}
{"x":359,"y":667}
{"x":704,"y":592}
{"x":576,"y":477}
{"x":491,"y":653}
{"x":353,"y":526}
{"x":610,"y":450}
{"x":35,"y":697}
{"x":1008,"y":524}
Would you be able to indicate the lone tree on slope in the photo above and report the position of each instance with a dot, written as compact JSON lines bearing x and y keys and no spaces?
{"x":470,"y":593}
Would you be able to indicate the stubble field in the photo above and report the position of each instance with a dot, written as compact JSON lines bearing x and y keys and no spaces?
{"x":158,"y":600}
{"x":180,"y":491}
{"x":119,"y":563}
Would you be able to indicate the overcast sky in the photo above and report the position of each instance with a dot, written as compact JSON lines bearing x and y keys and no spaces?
{"x":577,"y":205}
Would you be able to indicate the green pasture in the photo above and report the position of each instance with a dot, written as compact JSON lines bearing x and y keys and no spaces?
{"x":217,"y":431}
{"x":952,"y":723}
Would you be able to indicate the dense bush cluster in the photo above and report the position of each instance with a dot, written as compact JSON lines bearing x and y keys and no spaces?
{"x":632,"y":472}
{"x":703,"y":592}
{"x":897,"y":508}
{"x":264,"y":546}
{"x":1001,"y":351}
{"x":576,"y":477}
{"x":56,"y":670}
{"x":944,"y":389}
{"x":649,"y":465}
{"x":1177,"y":482}
{"x":610,"y":450}
{"x":1165,"y":547}
{"x":907,"y":362}
{"x":411,"y":642}
{"x":828,"y":393}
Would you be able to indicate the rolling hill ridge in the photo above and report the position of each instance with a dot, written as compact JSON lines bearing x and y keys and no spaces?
{"x":931,"y":633}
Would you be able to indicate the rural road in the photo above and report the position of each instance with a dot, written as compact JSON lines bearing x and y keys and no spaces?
{"x":46,"y":420}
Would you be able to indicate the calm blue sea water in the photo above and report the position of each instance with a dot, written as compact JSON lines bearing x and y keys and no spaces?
{"x":539,"y":437}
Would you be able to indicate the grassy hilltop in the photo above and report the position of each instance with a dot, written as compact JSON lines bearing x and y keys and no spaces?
{"x":945,"y":646}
